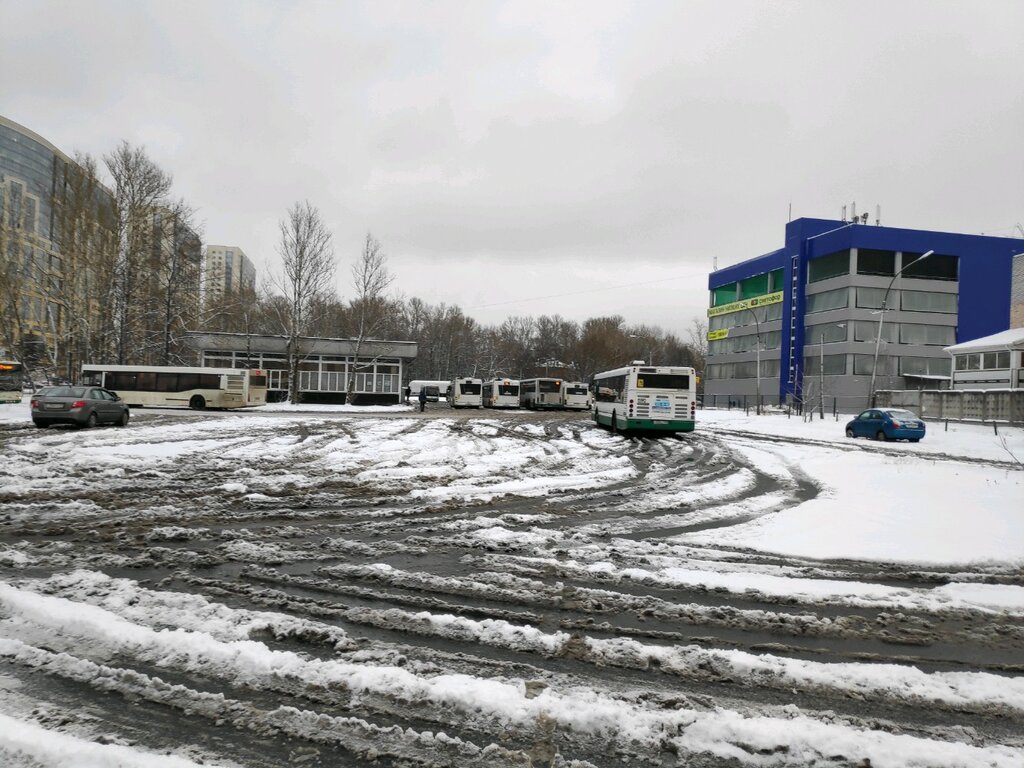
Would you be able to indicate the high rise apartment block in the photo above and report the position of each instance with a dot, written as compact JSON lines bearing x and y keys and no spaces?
{"x":228,"y":271}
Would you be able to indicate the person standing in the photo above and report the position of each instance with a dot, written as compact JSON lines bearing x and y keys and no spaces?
{"x":423,"y":398}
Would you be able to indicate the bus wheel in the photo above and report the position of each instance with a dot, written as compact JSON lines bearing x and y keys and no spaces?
{"x":197,"y":403}
{"x":614,"y":424}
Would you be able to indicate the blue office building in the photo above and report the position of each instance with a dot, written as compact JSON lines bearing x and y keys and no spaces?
{"x":806,"y":322}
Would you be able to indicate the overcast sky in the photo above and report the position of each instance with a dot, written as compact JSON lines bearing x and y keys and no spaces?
{"x":580,"y":158}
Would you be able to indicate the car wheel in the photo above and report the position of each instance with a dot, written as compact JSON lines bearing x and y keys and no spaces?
{"x":197,"y":403}
{"x":881,"y":436}
{"x":849,"y":432}
{"x":123,"y":421}
{"x":92,"y":421}
{"x":40,"y":424}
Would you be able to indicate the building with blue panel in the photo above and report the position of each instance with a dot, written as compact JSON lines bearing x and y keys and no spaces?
{"x":805,"y":323}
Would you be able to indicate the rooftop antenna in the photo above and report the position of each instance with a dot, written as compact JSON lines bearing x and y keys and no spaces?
{"x":853,"y":211}
{"x":714,"y":263}
{"x":844,"y":214}
{"x":790,"y":212}
{"x":878,"y":215}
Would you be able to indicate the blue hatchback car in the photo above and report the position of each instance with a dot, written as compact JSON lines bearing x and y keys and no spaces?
{"x":886,"y":424}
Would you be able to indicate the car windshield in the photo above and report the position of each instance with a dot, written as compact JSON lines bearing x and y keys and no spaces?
{"x":901,"y":414}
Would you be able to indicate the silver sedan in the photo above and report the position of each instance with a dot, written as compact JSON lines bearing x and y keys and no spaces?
{"x":81,"y":406}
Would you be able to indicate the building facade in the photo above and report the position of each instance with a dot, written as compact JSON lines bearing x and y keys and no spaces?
{"x":1017,"y":293}
{"x":228,"y":271}
{"x":325,"y":367}
{"x":805,"y":323}
{"x":56,"y":223}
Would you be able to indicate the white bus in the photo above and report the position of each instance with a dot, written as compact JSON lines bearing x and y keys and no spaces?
{"x":466,"y":393}
{"x":198,"y":388}
{"x":646,"y":397}
{"x":10,"y":381}
{"x":540,"y":393}
{"x":436,"y":390}
{"x":501,"y":393}
{"x":575,"y":396}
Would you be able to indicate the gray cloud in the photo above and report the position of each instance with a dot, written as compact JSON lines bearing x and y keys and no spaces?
{"x":504,"y":151}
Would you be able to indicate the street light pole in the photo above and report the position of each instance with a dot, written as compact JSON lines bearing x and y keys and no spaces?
{"x":881,"y":316}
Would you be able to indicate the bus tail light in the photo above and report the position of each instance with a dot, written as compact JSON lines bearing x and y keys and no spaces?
{"x":630,"y":407}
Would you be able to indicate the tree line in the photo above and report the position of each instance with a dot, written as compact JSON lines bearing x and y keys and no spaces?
{"x":302,"y":301}
{"x":112,"y":272}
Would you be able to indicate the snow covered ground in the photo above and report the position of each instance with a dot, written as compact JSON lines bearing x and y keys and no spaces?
{"x":334,"y":586}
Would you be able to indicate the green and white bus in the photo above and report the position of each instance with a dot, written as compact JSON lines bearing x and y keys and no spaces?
{"x":646,"y":397}
{"x":196,"y":388}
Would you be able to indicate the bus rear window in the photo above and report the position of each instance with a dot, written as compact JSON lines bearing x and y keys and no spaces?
{"x":549,"y":386}
{"x":469,"y":389}
{"x":257,"y":381}
{"x":662,"y":381}
{"x":508,"y":389}
{"x":575,"y":390}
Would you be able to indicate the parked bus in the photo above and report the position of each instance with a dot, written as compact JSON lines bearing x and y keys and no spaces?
{"x":575,"y":396}
{"x":436,"y":390}
{"x":198,"y":388}
{"x":10,"y":381}
{"x":466,"y":393}
{"x":501,"y":393}
{"x":646,"y":397}
{"x":540,"y":393}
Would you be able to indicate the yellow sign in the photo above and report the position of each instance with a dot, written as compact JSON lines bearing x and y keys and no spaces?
{"x":719,"y":334}
{"x":757,"y":301}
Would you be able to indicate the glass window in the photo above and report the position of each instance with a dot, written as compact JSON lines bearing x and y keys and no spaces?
{"x":924,"y":366}
{"x":472,"y":388}
{"x":867,"y":330}
{"x":916,"y":333}
{"x":995,"y":360}
{"x":862,"y":365}
{"x":754,"y":286}
{"x":121,"y":380}
{"x":871,"y":298}
{"x":662,"y":381}
{"x":725,"y":294}
{"x":609,"y":390}
{"x":822,"y":302}
{"x":935,"y":267}
{"x":776,"y":280}
{"x":928,"y":301}
{"x":835,"y":365}
{"x":872,"y":262}
{"x":832,"y":265}
{"x":832,"y":332}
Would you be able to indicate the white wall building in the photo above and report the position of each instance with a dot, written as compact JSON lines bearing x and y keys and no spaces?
{"x":228,"y":271}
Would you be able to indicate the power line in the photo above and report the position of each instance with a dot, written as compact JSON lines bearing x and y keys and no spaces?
{"x":588,"y":290}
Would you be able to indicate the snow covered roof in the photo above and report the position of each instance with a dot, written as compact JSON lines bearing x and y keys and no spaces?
{"x":1011,"y":339}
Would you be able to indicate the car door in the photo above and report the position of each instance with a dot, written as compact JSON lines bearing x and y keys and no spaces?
{"x":862,"y":424}
{"x":104,"y":405}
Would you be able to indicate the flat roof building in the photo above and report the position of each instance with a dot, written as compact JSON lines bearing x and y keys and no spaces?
{"x":805,"y":323}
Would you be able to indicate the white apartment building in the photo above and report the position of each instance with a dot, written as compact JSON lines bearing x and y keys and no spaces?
{"x":228,"y":271}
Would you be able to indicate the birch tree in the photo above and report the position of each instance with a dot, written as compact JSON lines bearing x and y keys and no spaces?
{"x":371,"y":280}
{"x":308,"y":272}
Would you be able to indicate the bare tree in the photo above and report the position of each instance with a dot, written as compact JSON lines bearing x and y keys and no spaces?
{"x":308,"y":265}
{"x":370,"y":307}
{"x":140,"y":188}
{"x":698,"y":333}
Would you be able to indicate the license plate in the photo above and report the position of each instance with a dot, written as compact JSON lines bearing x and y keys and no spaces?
{"x":661,"y":421}
{"x":54,"y":406}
